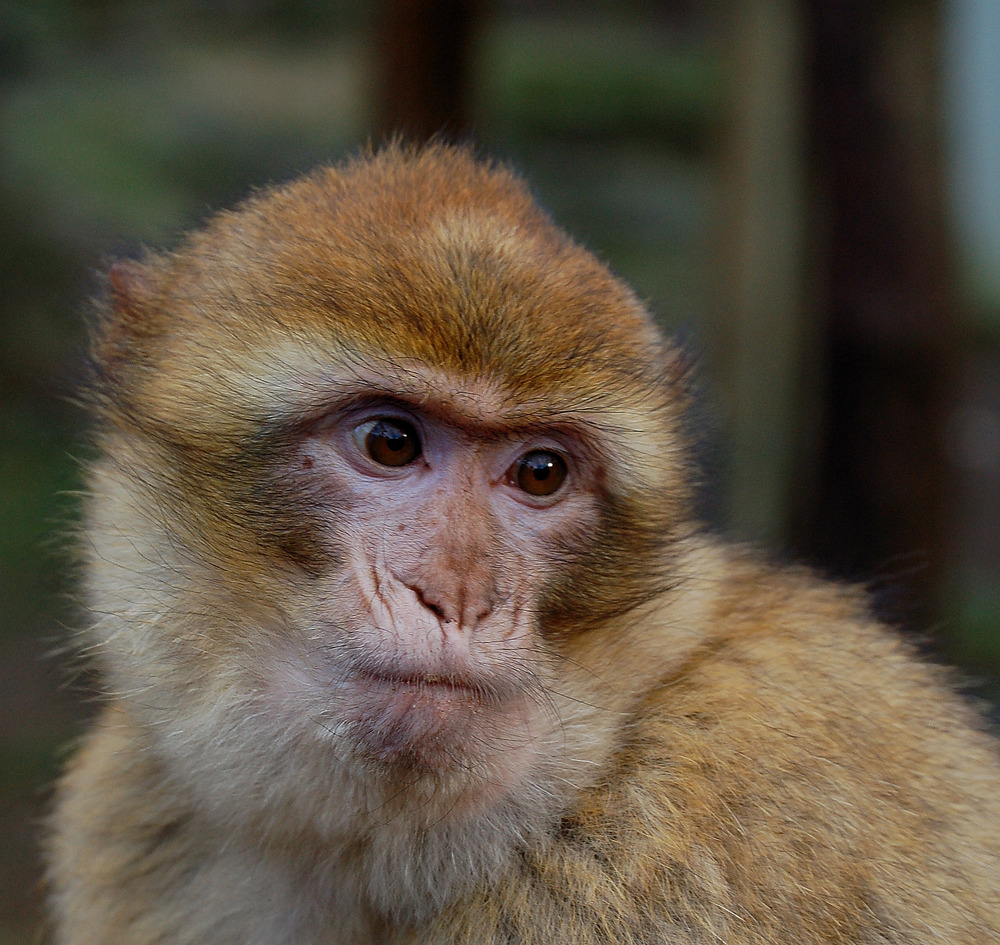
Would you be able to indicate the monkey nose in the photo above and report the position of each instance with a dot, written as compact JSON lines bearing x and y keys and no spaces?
{"x":463,"y":606}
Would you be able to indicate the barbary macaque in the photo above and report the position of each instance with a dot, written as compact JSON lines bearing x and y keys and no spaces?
{"x":407,"y":633}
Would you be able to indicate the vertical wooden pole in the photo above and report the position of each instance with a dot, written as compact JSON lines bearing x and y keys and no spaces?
{"x":887,"y":320}
{"x":757,"y":335}
{"x":424,"y":58}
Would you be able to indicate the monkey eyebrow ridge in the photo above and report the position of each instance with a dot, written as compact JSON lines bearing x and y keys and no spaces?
{"x":474,"y":405}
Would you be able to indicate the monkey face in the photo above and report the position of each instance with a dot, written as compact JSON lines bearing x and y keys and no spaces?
{"x":430,"y":628}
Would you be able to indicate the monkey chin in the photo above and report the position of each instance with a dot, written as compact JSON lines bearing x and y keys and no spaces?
{"x":441,"y":726}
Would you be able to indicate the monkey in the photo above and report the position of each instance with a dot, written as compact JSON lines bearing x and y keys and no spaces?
{"x":406,"y":630}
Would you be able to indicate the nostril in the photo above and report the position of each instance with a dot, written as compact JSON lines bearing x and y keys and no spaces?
{"x":434,"y":607}
{"x":436,"y":610}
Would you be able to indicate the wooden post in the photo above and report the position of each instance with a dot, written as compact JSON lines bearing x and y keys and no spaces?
{"x":424,"y":57}
{"x":887,"y":321}
{"x":756,"y":339}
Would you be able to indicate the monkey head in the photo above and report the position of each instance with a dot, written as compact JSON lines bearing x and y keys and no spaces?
{"x":384,"y":445}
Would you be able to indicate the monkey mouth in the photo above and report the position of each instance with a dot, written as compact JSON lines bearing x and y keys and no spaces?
{"x":444,"y":682}
{"x":433,"y":682}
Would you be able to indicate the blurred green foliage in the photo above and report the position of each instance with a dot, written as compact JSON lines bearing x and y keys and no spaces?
{"x":590,"y":79}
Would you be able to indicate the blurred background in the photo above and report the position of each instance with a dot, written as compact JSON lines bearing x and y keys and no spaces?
{"x":807,"y":192}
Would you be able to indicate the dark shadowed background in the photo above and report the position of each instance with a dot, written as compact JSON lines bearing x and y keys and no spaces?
{"x":808,"y":192}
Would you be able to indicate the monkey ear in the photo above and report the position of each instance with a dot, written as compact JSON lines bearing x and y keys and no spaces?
{"x":123,"y":334}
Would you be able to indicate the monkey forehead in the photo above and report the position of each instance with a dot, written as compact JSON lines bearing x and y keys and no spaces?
{"x":509,"y":376}
{"x":430,"y":256}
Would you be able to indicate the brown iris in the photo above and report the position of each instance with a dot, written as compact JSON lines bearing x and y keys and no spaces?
{"x":392,"y":442}
{"x":539,"y":473}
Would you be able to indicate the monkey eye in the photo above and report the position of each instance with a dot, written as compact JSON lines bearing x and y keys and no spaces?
{"x":539,"y":473}
{"x":389,"y":441}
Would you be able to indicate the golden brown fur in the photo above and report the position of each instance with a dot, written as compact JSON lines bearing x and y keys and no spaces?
{"x":666,"y":739}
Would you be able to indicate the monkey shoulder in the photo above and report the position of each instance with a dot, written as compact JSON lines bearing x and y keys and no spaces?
{"x":805,"y":769}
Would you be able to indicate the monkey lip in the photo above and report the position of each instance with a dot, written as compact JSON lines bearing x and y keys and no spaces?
{"x":459,"y":683}
{"x":438,"y":685}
